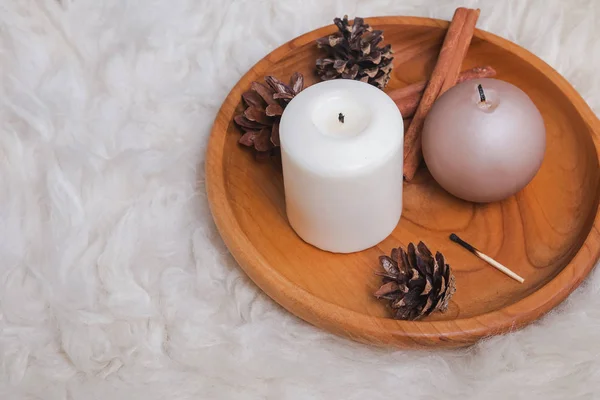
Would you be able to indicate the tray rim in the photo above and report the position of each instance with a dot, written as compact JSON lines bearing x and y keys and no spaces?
{"x":342,"y":321}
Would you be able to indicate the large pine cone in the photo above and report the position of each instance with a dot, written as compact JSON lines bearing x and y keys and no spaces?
{"x":265,"y":104}
{"x":415,"y":282}
{"x":353,"y":53}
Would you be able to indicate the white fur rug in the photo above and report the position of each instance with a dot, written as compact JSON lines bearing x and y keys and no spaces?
{"x":113,"y":281}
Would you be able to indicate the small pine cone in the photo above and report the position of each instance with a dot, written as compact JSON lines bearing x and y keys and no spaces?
{"x":265,"y":104}
{"x":354,"y":53}
{"x":416,"y":283}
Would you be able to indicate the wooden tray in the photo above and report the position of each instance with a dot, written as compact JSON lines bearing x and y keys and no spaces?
{"x":547,"y":233}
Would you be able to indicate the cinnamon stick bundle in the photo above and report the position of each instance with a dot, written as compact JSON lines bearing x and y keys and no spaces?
{"x":444,"y":76}
{"x":408,"y":98}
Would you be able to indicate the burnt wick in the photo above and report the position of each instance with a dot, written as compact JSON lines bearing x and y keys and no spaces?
{"x":341,"y":117}
{"x":481,"y":93}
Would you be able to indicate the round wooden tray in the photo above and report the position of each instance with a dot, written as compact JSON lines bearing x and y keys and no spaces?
{"x":547,"y":233}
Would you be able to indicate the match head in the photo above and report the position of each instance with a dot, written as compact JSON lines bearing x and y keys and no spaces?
{"x":454,"y":237}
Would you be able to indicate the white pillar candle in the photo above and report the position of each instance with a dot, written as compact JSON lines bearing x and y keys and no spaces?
{"x":341,"y":148}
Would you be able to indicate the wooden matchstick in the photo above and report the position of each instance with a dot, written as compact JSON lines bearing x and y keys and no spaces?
{"x":486,"y":258}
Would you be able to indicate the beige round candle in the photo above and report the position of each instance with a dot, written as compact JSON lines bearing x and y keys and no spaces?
{"x":484,"y":140}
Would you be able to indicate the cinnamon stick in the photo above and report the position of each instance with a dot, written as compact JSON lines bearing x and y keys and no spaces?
{"x":408,"y":105}
{"x":412,"y":138}
{"x":464,"y":41}
{"x":407,"y":98}
{"x":451,"y":50}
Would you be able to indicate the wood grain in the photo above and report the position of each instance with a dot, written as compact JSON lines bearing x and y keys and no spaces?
{"x":547,"y":233}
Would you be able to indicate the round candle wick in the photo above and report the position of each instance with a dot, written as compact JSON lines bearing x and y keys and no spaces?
{"x":481,"y":93}
{"x":341,"y":117}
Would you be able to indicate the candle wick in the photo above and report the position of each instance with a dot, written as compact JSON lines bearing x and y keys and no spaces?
{"x":481,"y":93}
{"x":341,"y":117}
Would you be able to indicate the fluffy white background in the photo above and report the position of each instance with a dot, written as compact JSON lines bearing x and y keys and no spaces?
{"x":113,"y":281}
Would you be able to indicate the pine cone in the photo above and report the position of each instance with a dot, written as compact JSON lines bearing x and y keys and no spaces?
{"x":260,"y":120}
{"x":353,"y":53}
{"x":415,"y":282}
